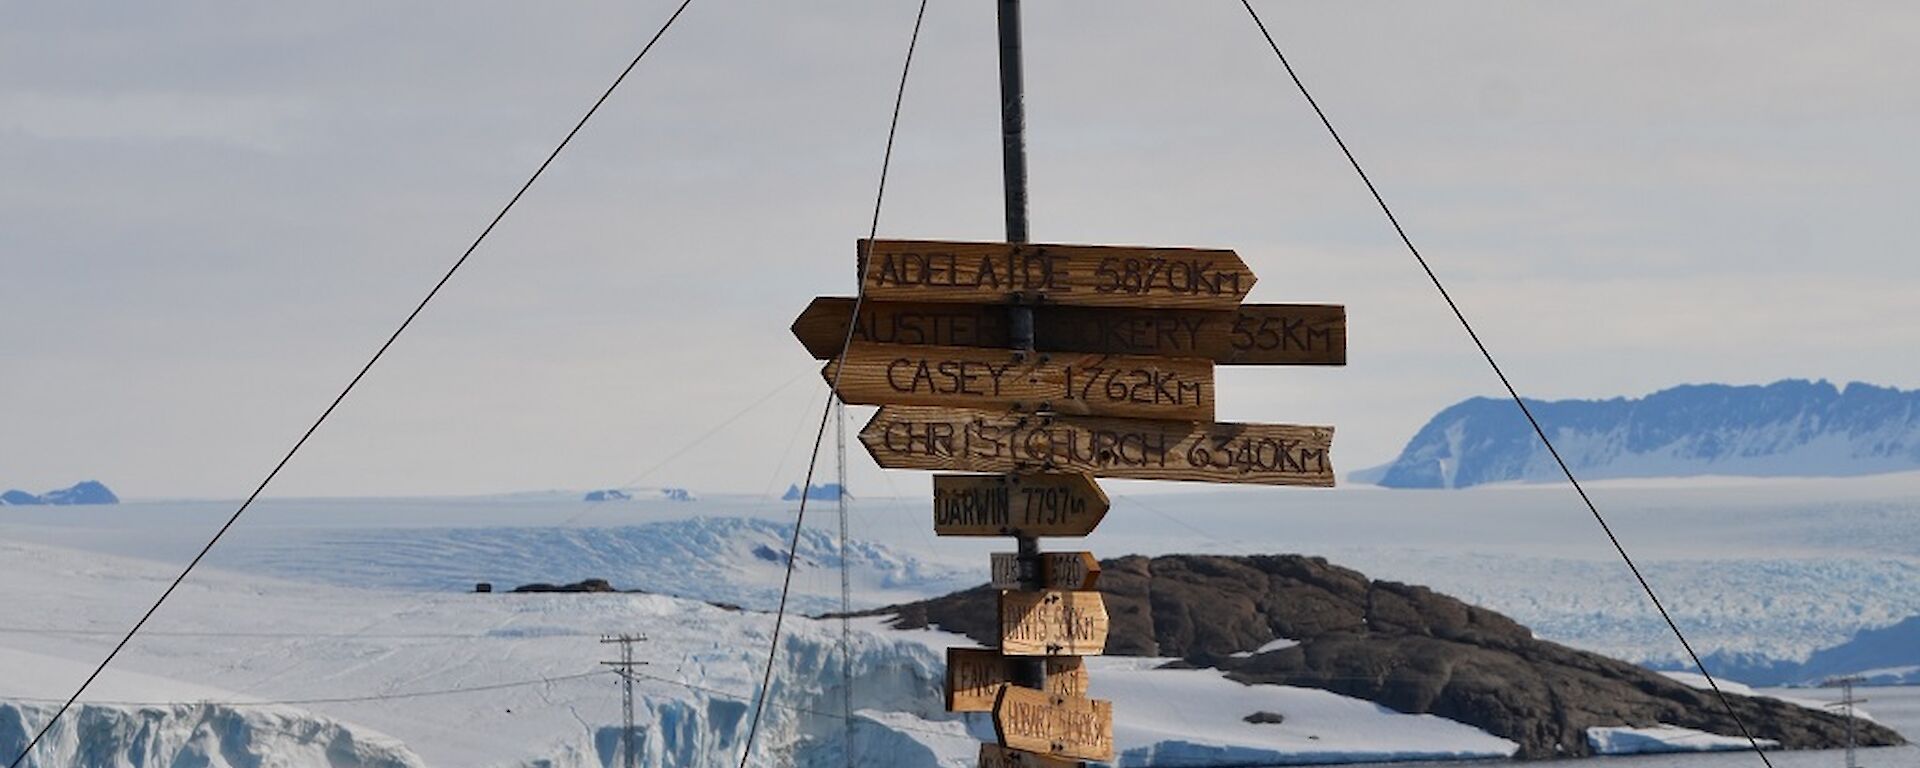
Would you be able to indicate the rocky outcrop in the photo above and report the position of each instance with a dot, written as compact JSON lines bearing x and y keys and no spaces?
{"x":1405,"y":647}
{"x":587,"y":585}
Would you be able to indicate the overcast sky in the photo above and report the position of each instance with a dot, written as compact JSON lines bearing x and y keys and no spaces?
{"x":211,"y":213}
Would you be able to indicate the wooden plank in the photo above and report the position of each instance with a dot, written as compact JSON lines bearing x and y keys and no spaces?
{"x":975,"y":675}
{"x":970,"y":377}
{"x":1252,"y":334}
{"x":1058,"y":726}
{"x":996,"y":756}
{"x":920,"y":437}
{"x":1058,"y":570}
{"x":1075,"y":275}
{"x":1052,"y":623}
{"x":1051,"y":504}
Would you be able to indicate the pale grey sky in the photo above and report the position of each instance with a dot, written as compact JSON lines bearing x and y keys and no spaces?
{"x":213,"y":211}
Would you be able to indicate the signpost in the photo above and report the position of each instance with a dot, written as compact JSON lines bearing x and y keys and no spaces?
{"x":968,"y":377}
{"x":1251,"y":334}
{"x":1054,"y":504}
{"x":975,"y":676}
{"x":1061,"y":726}
{"x":919,"y":437}
{"x":1040,"y":367}
{"x":1077,"y":275}
{"x":1058,"y":570}
{"x":1052,"y":623}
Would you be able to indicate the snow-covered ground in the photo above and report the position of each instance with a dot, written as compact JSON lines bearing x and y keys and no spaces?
{"x":499,"y":679}
{"x":357,"y":611}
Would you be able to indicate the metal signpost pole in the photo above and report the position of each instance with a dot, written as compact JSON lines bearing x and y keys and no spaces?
{"x":1031,"y":673}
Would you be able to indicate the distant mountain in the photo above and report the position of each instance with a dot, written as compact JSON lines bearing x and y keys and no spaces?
{"x":822,"y":492}
{"x":1787,"y":428}
{"x":86,"y":492}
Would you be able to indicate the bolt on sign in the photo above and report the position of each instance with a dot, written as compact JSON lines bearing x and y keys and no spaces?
{"x":975,"y":676}
{"x":1060,"y":726}
{"x":1063,"y":504}
{"x":1052,"y":623}
{"x":1252,"y":334}
{"x":967,"y":377}
{"x":1058,"y":570}
{"x":996,"y":756}
{"x":921,"y":437}
{"x":1077,"y":275}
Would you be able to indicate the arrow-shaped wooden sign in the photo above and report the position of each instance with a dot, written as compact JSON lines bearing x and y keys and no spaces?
{"x":919,"y":437}
{"x":975,"y":675}
{"x":1058,"y":570}
{"x":996,"y":756}
{"x":1251,"y":334}
{"x":1054,"y":504}
{"x":1028,"y":720}
{"x":968,"y":377}
{"x":1052,"y":623}
{"x":1077,"y":275}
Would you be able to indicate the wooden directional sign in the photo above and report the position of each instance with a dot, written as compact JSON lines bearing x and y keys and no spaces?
{"x":1252,"y":334}
{"x":1060,"y":726}
{"x":1058,"y":570}
{"x":1062,"y":504}
{"x":975,"y":675}
{"x":1052,"y":623}
{"x":996,"y":756}
{"x":1077,"y":275}
{"x":920,"y":437}
{"x":970,"y":377}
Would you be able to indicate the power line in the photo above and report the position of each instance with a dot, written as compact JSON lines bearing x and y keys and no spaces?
{"x":820,"y":433}
{"x":355,"y":381}
{"x":1508,"y":384}
{"x":695,"y":443}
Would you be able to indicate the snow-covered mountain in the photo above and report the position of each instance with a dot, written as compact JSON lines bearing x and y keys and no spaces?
{"x":1787,"y":428}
